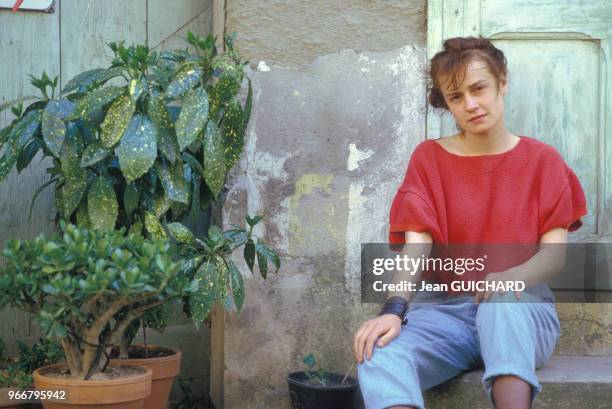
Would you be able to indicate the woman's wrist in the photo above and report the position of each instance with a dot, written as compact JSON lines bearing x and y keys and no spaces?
{"x":395,"y":305}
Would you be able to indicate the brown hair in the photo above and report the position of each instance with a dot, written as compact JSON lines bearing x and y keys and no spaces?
{"x":451,"y":63}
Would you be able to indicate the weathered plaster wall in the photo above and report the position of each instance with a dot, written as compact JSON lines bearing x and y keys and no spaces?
{"x":339,"y":105}
{"x":326,"y":149}
{"x":291,"y":33}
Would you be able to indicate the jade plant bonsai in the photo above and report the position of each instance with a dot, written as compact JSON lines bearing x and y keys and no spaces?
{"x":86,"y":286}
{"x":146,"y":153}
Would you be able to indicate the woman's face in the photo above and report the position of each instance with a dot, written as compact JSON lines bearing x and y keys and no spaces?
{"x":478,"y":104}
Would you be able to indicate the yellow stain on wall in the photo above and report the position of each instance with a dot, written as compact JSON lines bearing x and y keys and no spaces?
{"x":307,"y":223}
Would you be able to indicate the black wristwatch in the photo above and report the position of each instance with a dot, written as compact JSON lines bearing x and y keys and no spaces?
{"x":397,"y":306}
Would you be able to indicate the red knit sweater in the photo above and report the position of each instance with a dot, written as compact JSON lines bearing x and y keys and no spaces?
{"x":511,"y":197}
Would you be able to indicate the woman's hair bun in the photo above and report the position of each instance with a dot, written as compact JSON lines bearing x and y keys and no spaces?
{"x":460,"y":44}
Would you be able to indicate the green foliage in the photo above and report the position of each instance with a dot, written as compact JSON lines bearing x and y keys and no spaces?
{"x":17,"y":372}
{"x":141,"y":155}
{"x":85,"y":286}
{"x":315,"y":376}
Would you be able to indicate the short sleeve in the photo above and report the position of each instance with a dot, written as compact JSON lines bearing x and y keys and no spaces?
{"x":562,"y":200}
{"x":412,"y":208}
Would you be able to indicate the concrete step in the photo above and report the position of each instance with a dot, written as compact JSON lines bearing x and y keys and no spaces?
{"x":586,"y":329}
{"x":583,"y":382}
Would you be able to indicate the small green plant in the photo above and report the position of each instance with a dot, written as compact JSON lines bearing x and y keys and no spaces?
{"x":317,"y":376}
{"x":17,"y":372}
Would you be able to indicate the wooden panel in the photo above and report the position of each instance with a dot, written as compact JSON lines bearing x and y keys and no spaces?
{"x":591,"y":17}
{"x":30,"y":42}
{"x":563,"y":90}
{"x":168,"y":24}
{"x":88,"y":25}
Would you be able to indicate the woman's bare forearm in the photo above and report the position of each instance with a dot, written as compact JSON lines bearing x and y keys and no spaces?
{"x":545,"y":264}
{"x":417,"y":245}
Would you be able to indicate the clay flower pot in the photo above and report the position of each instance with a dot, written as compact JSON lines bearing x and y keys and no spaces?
{"x":165,"y":369}
{"x":124,"y":392}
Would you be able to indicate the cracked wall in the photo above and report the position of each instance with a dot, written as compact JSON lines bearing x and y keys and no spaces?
{"x":326,"y":148}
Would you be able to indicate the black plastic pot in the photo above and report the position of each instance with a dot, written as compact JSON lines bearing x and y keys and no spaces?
{"x":305,"y":395}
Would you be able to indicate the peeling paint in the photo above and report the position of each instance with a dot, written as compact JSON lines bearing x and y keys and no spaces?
{"x":355,"y":156}
{"x":305,"y":186}
{"x":355,"y":222}
{"x":262,"y":67}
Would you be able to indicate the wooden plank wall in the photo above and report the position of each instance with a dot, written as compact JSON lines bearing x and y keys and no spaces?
{"x":64,"y":43}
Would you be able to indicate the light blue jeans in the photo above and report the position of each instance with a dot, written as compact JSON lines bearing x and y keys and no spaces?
{"x":447,"y":335}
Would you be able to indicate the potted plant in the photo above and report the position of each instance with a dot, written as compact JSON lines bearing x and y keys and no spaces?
{"x":16,"y":372}
{"x":319,"y":389}
{"x":148,"y":155}
{"x":85,"y":287}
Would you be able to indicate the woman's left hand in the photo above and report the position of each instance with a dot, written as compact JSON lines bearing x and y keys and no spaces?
{"x":487,"y":294}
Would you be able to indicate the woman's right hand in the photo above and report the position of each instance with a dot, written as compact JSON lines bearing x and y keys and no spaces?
{"x":386,"y":326}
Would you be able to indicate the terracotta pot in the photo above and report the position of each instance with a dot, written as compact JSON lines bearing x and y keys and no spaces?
{"x":6,"y":403}
{"x":165,"y":369}
{"x":121,"y":393}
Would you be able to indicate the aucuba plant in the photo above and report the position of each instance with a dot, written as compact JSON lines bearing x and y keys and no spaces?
{"x":143,"y":145}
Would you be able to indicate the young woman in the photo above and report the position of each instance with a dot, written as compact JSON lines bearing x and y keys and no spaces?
{"x":482,"y":185}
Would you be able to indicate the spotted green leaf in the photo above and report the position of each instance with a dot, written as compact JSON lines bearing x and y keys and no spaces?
{"x":117,"y":120}
{"x":102,"y":205}
{"x":4,"y":135}
{"x":93,"y":154}
{"x":202,"y":302}
{"x":154,"y":227}
{"x":25,"y":129}
{"x":136,"y":88}
{"x":75,"y":181}
{"x":82,"y":217}
{"x":173,"y":181}
{"x":181,"y":233}
{"x":136,"y":228}
{"x":95,"y":101}
{"x":237,"y":285}
{"x":224,"y":277}
{"x":53,"y":127}
{"x":161,"y":204}
{"x":18,"y":137}
{"x":27,"y":154}
{"x":187,"y":77}
{"x":137,"y":150}
{"x":214,"y":159}
{"x":192,"y":119}
{"x":130,"y":198}
{"x":86,"y":78}
{"x":164,"y":127}
{"x":227,"y":87}
{"x":233,"y":132}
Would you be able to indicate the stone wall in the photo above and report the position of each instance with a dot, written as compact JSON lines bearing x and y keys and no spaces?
{"x":339,"y":105}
